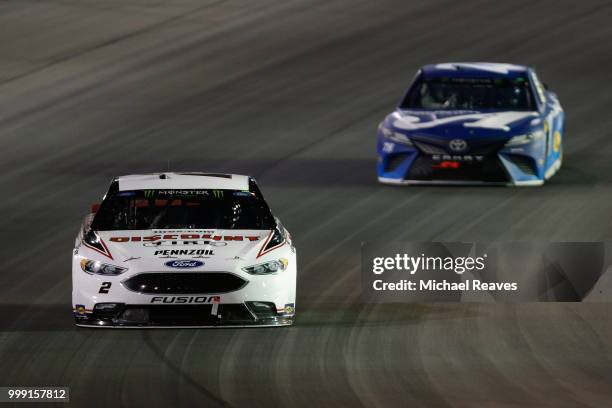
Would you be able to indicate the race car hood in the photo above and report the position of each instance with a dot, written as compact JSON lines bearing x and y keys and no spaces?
{"x":468,"y":125}
{"x":212,"y":249}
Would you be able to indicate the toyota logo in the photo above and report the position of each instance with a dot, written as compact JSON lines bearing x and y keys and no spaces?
{"x":457,"y":145}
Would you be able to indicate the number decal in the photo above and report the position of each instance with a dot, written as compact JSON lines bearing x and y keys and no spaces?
{"x":105,"y":287}
{"x":388,"y":147}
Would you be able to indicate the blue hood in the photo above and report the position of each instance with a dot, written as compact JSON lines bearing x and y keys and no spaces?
{"x":467,"y":125}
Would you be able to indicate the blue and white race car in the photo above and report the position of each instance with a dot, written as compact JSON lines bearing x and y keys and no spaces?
{"x":472,"y":123}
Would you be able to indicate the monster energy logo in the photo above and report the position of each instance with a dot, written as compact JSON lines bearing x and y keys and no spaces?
{"x":217,"y":193}
{"x":186,"y":193}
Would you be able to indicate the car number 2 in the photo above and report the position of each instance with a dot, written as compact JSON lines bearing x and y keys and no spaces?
{"x":105,"y":287}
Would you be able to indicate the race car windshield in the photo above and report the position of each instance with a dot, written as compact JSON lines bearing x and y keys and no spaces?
{"x":183,"y":209}
{"x":470,"y":94}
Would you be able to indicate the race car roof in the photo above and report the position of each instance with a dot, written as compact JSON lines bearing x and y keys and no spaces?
{"x":187,"y":180}
{"x":473,"y":70}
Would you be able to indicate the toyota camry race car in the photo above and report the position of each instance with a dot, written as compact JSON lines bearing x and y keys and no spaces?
{"x":472,"y":123}
{"x":183,"y":249}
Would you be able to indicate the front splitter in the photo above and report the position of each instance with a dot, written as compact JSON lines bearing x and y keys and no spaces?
{"x":107,"y":324}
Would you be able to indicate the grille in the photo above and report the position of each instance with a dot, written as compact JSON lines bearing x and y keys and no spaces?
{"x":395,"y":161}
{"x":482,"y":147}
{"x":489,"y":170}
{"x":486,"y":150}
{"x":429,"y":149}
{"x":187,"y":315}
{"x":525,"y":164}
{"x":184,"y":283}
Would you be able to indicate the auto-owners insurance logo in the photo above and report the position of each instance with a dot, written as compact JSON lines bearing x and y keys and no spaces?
{"x":183,"y":263}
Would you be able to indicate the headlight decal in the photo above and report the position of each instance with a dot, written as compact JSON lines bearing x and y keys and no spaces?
{"x":525,"y":139}
{"x":396,"y":136}
{"x":267,"y":268}
{"x":98,"y":268}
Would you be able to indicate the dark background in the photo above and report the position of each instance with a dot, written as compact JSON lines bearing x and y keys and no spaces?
{"x":291,"y":92}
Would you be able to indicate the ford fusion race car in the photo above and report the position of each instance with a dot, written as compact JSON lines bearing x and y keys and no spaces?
{"x":472,"y":123}
{"x":183,"y":249}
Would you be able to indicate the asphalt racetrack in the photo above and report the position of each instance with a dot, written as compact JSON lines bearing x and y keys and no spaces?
{"x":292,"y":92}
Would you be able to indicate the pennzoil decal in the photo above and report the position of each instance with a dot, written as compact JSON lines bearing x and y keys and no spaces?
{"x":188,"y":252}
{"x":80,"y":310}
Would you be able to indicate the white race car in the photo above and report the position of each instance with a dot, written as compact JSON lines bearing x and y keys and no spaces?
{"x":183,"y":249}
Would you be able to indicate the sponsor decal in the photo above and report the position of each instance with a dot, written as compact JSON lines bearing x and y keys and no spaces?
{"x":186,"y":299}
{"x":289,"y":309}
{"x":184,"y":263}
{"x":182,"y":231}
{"x":157,"y":193}
{"x":557,"y":141}
{"x":127,"y":193}
{"x":184,"y":237}
{"x":388,"y":147}
{"x":189,"y":252}
{"x":79,"y":310}
{"x":243,"y":194}
{"x":446,"y":165}
{"x":185,"y":243}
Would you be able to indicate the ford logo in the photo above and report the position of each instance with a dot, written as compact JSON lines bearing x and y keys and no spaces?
{"x":184,"y":263}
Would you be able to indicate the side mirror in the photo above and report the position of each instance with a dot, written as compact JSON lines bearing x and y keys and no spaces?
{"x":545,"y":85}
{"x":95,"y":207}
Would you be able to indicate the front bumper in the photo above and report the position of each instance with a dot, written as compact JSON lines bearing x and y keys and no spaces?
{"x":210,"y":315}
{"x":188,"y":301}
{"x":490,"y":165}
{"x":404,"y":182}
